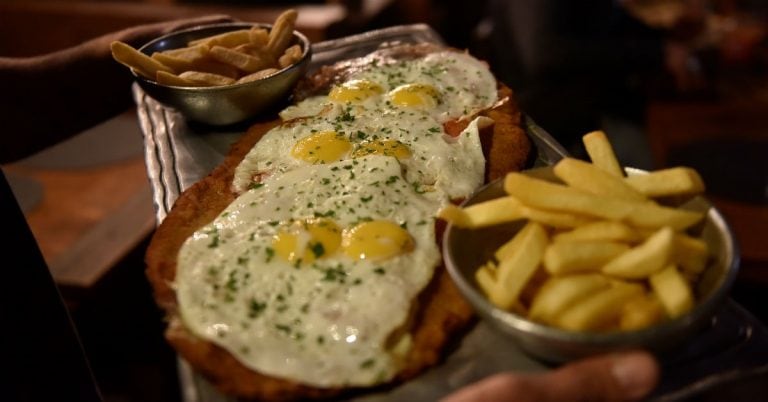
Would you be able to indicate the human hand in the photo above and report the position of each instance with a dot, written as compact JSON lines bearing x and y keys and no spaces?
{"x":618,"y":377}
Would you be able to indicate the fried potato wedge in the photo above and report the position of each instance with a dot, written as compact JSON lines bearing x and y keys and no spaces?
{"x":673,"y":291}
{"x":194,"y":58}
{"x":690,"y":254}
{"x":243,"y":61}
{"x":601,"y":153}
{"x":556,"y":197}
{"x":642,"y":312}
{"x":571,"y":257}
{"x":645,"y":259}
{"x":280,"y":35}
{"x":559,"y":293}
{"x":599,"y":231}
{"x":667,"y":182}
{"x":486,"y":278}
{"x":136,"y":60}
{"x":514,"y":272}
{"x":601,"y":310}
{"x":206,"y":79}
{"x":227,"y":39}
{"x":171,"y":79}
{"x":592,"y":179}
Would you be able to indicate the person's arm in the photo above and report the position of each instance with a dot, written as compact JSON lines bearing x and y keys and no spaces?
{"x":48,"y":98}
{"x":620,"y":377}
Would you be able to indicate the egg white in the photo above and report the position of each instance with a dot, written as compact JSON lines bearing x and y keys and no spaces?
{"x":465,"y":84}
{"x":453,"y":166}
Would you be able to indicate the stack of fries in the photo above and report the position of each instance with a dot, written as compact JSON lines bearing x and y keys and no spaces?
{"x":230,"y":58}
{"x":598,"y":251}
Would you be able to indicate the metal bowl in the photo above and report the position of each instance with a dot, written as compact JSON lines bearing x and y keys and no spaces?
{"x":465,"y":250}
{"x":224,"y":104}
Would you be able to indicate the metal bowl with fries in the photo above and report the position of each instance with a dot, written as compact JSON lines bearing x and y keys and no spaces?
{"x":468,"y":248}
{"x":233,"y":100}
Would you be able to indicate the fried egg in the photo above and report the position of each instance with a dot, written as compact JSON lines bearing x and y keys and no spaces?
{"x":446,"y":85}
{"x":395,"y":109}
{"x":431,"y":159}
{"x":310,"y":274}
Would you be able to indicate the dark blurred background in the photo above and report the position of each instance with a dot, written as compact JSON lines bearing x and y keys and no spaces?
{"x":672,"y":82}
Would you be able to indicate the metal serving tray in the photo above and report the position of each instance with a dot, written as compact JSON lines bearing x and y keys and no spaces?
{"x":179,"y":153}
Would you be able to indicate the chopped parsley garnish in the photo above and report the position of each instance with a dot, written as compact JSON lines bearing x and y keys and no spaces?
{"x":317,"y":249}
{"x":255,"y":308}
{"x":270,"y":253}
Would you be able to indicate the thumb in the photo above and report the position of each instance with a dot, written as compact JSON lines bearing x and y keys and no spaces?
{"x":618,"y":377}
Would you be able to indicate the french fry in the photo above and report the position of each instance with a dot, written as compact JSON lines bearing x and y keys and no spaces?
{"x":612,"y":242}
{"x":557,"y":197}
{"x":667,"y":182}
{"x":454,"y":215}
{"x":291,"y":56}
{"x":139,"y":62}
{"x":592,"y":179}
{"x":599,"y":231}
{"x":258,"y":37}
{"x":508,"y":249}
{"x":641,"y":312}
{"x":206,"y":79}
{"x":486,"y":278}
{"x":242,"y":61}
{"x":601,"y":310}
{"x":244,"y":55}
{"x":226,"y":39}
{"x":645,"y":259}
{"x":546,"y":195}
{"x":672,"y":290}
{"x":504,"y":210}
{"x":514,"y":272}
{"x":181,"y":59}
{"x":648,"y":215}
{"x":689,"y":253}
{"x":257,"y":75}
{"x":493,"y":212}
{"x":555,"y":219}
{"x":571,"y":257}
{"x":280,"y":35}
{"x":257,"y":52}
{"x":559,"y":293}
{"x":194,"y":59}
{"x":601,"y":153}
{"x":171,"y":79}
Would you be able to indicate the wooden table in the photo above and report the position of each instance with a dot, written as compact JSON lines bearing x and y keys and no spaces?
{"x":93,"y":207}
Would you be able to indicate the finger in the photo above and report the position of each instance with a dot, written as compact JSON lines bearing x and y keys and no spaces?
{"x":619,"y":377}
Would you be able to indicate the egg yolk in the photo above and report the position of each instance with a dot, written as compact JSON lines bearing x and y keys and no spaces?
{"x":376,"y":240}
{"x":321,"y":147}
{"x":415,"y":95}
{"x":354,"y":91}
{"x":304,"y":242}
{"x":383,"y":147}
